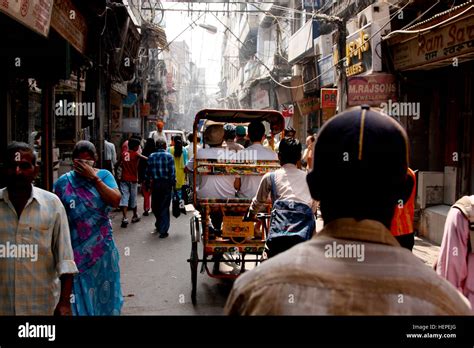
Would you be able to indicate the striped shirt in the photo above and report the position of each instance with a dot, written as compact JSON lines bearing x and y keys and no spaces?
{"x":161,"y":166}
{"x":35,"y":251}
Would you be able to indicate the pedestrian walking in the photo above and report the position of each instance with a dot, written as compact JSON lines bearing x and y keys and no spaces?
{"x":129,"y":180}
{"x":456,"y":256}
{"x":403,"y":222}
{"x":161,"y":176}
{"x":37,"y":279}
{"x":110,"y":155}
{"x":308,"y":153}
{"x":354,"y":266}
{"x":180,"y":156}
{"x":88,"y":194}
{"x":148,"y":149}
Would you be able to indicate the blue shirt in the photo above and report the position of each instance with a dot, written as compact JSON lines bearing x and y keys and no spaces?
{"x":161,"y":166}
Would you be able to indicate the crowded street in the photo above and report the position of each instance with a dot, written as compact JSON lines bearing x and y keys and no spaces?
{"x":222,"y":159}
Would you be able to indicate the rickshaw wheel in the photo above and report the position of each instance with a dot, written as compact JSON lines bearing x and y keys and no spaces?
{"x":194,"y":270}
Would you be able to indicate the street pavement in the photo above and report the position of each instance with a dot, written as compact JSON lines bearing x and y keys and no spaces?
{"x":156,"y":279}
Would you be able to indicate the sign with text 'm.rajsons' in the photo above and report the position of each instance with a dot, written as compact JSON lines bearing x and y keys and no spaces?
{"x":372,"y":89}
{"x":34,"y":14}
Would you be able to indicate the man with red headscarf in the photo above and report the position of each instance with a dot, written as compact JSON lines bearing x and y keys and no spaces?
{"x":159,"y":131}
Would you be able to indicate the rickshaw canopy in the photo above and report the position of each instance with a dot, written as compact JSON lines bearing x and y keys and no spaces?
{"x":273,"y":117}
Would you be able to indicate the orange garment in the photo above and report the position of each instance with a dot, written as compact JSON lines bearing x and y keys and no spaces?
{"x":403,"y":219}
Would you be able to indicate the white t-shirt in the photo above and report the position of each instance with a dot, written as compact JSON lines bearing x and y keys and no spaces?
{"x":214,"y":186}
{"x":157,"y":135}
{"x":250,"y":183}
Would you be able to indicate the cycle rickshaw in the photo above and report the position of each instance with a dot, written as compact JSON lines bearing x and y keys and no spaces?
{"x":238,"y":237}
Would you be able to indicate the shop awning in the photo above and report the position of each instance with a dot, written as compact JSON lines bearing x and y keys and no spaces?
{"x":154,"y":36}
{"x":445,"y":39}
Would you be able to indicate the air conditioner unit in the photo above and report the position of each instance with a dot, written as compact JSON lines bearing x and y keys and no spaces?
{"x":323,"y":45}
{"x":430,"y":188}
{"x":352,"y":25}
{"x":378,"y":14}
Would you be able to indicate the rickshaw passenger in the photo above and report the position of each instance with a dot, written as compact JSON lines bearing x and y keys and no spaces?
{"x":214,"y":186}
{"x":229,"y":137}
{"x":256,"y":151}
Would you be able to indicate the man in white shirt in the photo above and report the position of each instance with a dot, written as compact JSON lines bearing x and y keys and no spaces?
{"x":213,"y":186}
{"x":256,"y":151}
{"x":288,"y":185}
{"x":110,"y":155}
{"x":159,"y":132}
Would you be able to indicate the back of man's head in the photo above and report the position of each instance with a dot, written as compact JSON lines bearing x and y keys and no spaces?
{"x":256,"y":131}
{"x":289,"y":151}
{"x":229,"y":132}
{"x":133,"y":144}
{"x":161,"y":144}
{"x":360,"y":166}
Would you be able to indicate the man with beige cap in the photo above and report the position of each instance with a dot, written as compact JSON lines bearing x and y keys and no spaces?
{"x":214,"y":186}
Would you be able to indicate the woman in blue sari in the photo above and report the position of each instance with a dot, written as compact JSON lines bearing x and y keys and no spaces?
{"x":88,"y":194}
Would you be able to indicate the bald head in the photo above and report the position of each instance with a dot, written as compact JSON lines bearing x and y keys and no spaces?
{"x":360,"y":166}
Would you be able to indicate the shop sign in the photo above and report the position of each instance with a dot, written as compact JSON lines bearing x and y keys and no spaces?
{"x":145,"y":109}
{"x":288,"y":110}
{"x":372,"y":89}
{"x":308,"y":105}
{"x":34,"y":14}
{"x":328,"y":98}
{"x":326,"y":70}
{"x":359,"y":52}
{"x":70,"y":24}
{"x":131,"y":125}
{"x":72,"y":82}
{"x":260,"y":98}
{"x":450,"y":41}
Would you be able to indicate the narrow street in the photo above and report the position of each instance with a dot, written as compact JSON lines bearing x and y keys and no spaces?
{"x":155,"y":276}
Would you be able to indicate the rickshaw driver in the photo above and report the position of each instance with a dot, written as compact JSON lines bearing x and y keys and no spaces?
{"x":214,"y":186}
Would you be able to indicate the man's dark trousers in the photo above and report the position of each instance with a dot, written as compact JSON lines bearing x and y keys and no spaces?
{"x":160,"y":204}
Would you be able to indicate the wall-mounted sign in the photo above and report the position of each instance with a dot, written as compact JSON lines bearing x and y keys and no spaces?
{"x":326,"y":70}
{"x":260,"y":98}
{"x":70,"y":24}
{"x":372,"y":89}
{"x":308,"y":105}
{"x":444,"y":43}
{"x":145,"y":109}
{"x":131,"y":125}
{"x":34,"y":14}
{"x":328,"y":98}
{"x":359,"y":52}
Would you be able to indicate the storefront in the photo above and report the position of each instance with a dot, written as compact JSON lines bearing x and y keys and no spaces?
{"x":435,"y":61}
